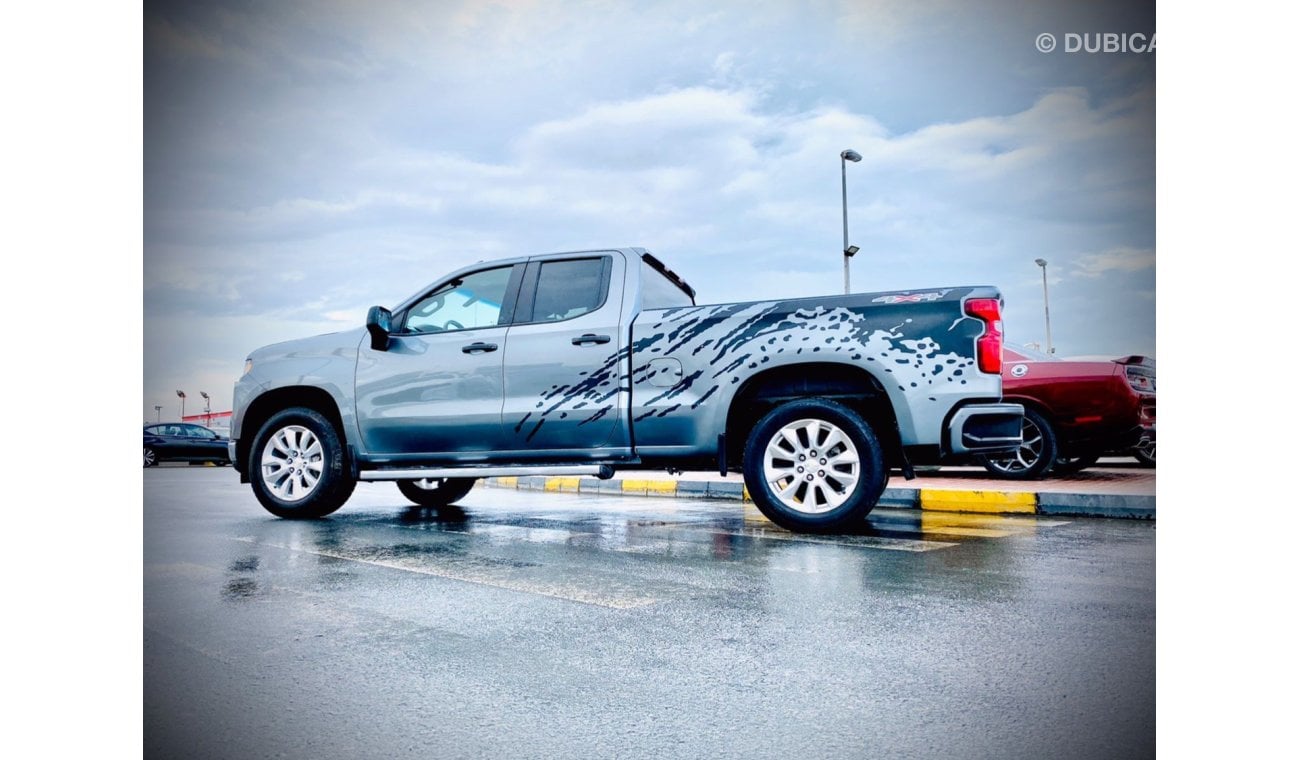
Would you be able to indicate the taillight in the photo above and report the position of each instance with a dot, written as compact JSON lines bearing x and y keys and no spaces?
{"x":1140,"y":380}
{"x":988,"y":347}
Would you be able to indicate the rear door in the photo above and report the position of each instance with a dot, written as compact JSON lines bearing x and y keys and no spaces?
{"x":564,"y":363}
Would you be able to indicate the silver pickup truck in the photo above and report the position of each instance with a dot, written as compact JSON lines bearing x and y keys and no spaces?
{"x":582,"y":363}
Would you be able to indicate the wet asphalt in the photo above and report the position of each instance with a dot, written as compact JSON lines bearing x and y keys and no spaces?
{"x":544,"y":625}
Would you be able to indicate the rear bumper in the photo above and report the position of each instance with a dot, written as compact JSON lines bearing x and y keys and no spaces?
{"x":985,"y":428}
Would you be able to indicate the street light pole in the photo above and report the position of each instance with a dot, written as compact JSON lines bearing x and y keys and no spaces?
{"x":1047,"y":314}
{"x":182,"y":395}
{"x":845,"y":156}
{"x":207,"y":408}
{"x":158,"y":410}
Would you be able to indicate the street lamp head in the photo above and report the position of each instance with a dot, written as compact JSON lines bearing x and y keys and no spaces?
{"x":851,"y":155}
{"x":850,"y":251}
{"x":204,"y":394}
{"x":181,"y":394}
{"x":1041,"y":262}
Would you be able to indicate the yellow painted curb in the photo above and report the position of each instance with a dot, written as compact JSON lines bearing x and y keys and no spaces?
{"x":651,"y":487}
{"x":562,"y":484}
{"x":507,"y":482}
{"x":996,"y":502}
{"x":744,"y":493}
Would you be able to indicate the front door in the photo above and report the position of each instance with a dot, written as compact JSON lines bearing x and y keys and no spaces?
{"x":438,"y":388}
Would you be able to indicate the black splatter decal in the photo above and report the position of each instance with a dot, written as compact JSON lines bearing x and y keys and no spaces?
{"x":726,"y":343}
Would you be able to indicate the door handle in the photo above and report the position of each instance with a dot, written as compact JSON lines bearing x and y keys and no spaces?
{"x":479,"y":347}
{"x":583,"y":340}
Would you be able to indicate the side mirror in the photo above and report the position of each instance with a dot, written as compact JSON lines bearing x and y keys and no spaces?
{"x":379,"y":323}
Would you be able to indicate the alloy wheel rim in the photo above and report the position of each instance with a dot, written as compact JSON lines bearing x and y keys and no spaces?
{"x":292,"y":463}
{"x":149,"y":457}
{"x":1029,"y":453}
{"x":811,"y":466}
{"x":430,"y":484}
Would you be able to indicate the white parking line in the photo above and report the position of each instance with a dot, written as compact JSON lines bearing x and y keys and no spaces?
{"x":855,"y":542}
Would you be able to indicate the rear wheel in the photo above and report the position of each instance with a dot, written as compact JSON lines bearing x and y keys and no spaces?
{"x":814,"y":465}
{"x":1072,"y":465}
{"x":150,"y":457}
{"x":435,"y":492}
{"x":1036,"y":454}
{"x":297,"y":466}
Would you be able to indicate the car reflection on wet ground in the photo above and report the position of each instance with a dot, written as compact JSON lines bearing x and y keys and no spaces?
{"x":528,"y":624}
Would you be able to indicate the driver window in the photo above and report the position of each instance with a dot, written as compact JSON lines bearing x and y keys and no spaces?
{"x":463,"y":304}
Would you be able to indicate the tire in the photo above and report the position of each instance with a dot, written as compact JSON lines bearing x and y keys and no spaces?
{"x":1146,"y":455}
{"x":1034,"y":457}
{"x":150,"y":457}
{"x":435,"y":492}
{"x":1075,"y":464}
{"x":291,"y":447}
{"x":843,"y":488}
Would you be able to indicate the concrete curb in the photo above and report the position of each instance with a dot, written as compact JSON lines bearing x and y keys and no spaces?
{"x":1131,"y":506}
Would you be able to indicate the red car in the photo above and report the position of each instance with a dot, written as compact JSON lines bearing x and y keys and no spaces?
{"x":1076,"y":410}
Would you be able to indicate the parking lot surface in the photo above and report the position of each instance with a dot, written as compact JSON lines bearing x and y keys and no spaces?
{"x":534,"y":624}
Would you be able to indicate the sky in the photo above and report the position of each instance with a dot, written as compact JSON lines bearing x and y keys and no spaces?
{"x":305,"y":161}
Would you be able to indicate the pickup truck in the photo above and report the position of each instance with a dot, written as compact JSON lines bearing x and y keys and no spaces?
{"x":585,"y":362}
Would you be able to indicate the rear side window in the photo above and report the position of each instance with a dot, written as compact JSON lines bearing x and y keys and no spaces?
{"x":568,"y":289}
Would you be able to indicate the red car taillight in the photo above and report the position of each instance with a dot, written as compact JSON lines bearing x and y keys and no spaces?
{"x":1140,"y":379}
{"x":988,"y":347}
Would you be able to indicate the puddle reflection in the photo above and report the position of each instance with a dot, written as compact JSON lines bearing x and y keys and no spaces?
{"x":515,"y":546}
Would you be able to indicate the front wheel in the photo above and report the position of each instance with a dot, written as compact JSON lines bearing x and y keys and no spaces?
{"x":814,"y":465}
{"x":297,"y":466}
{"x":150,"y":457}
{"x":1146,"y":454}
{"x":1037,"y":451}
{"x":435,"y":492}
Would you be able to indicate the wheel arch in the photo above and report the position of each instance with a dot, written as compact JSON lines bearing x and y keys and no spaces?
{"x":852,"y":386}
{"x":269,"y":403}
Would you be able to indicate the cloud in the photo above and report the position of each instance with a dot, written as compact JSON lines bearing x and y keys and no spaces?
{"x":708,"y":169}
{"x":697,"y":127}
{"x":300,"y":167}
{"x":1115,"y":260}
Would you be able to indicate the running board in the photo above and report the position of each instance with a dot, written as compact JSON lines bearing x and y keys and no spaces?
{"x":602,"y":471}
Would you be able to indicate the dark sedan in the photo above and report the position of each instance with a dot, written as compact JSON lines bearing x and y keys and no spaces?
{"x":1075,"y":410}
{"x":183,"y":442}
